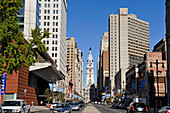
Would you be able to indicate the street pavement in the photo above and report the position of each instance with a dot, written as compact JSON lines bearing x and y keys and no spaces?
{"x":108,"y":109}
{"x":91,"y":108}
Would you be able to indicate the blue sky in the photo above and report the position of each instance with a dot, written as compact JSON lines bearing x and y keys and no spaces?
{"x":88,"y":19}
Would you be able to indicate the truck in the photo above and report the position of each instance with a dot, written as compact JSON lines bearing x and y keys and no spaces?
{"x":15,"y":106}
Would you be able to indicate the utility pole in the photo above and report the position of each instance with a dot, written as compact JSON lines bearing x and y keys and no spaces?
{"x":168,"y":47}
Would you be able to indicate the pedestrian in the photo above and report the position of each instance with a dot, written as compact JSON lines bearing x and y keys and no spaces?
{"x":32,"y":103}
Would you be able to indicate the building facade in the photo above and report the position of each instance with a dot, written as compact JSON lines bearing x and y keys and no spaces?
{"x":103,"y":66}
{"x":53,"y":15}
{"x":75,"y":64}
{"x":147,"y":79}
{"x":128,"y":42}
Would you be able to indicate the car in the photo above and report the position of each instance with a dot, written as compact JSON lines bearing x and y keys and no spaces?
{"x":53,"y":105}
{"x":15,"y":106}
{"x":62,"y":108}
{"x":81,"y":103}
{"x":75,"y":106}
{"x":137,"y":107}
{"x":164,"y":109}
{"x":122,"y":105}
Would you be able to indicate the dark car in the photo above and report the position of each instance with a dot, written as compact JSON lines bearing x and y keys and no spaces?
{"x":122,"y":105}
{"x":81,"y":103}
{"x":136,"y":107}
{"x":62,"y":108}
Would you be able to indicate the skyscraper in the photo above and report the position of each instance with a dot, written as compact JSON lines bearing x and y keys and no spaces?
{"x":103,"y":64}
{"x":128,"y":42}
{"x":75,"y":63}
{"x":53,"y":15}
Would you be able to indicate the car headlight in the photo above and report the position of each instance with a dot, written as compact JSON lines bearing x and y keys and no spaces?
{"x":67,"y":111}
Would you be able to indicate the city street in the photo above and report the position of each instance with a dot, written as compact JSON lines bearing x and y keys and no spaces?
{"x":101,"y":108}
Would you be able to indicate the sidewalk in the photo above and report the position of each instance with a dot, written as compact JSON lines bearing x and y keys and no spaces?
{"x":38,"y":108}
{"x":90,"y":109}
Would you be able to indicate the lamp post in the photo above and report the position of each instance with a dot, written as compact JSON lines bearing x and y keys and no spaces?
{"x":137,"y":76}
{"x":157,"y":63}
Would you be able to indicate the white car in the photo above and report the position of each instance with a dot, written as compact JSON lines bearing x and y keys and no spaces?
{"x":165,"y":109}
{"x":15,"y":106}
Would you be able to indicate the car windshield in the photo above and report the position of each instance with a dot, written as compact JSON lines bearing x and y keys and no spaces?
{"x":62,"y":106}
{"x":74,"y":103}
{"x":11,"y":103}
{"x":139,"y":104}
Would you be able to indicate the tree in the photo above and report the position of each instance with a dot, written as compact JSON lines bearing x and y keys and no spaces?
{"x":15,"y":50}
{"x":48,"y":95}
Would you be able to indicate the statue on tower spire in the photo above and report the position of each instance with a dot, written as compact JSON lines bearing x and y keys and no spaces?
{"x":90,"y":49}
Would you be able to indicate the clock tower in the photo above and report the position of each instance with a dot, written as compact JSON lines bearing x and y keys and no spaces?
{"x":89,"y":76}
{"x":90,"y":70}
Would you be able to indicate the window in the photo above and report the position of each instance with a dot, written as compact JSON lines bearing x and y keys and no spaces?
{"x":57,"y":5}
{"x":56,"y":17}
{"x":55,"y":54}
{"x":53,"y":42}
{"x":52,"y":54}
{"x":48,"y":11}
{"x":56,"y":23}
{"x":56,"y":30}
{"x":53,"y":17}
{"x":44,"y":17}
{"x":44,"y":42}
{"x":45,"y":5}
{"x":45,"y":0}
{"x":55,"y":48}
{"x":53,"y":23}
{"x":40,"y":11}
{"x":48,"y":17}
{"x":40,"y":17}
{"x":39,"y":23}
{"x":56,"y":36}
{"x":44,"y":23}
{"x":53,"y":29}
{"x":52,"y":48}
{"x":53,"y":5}
{"x":44,"y":29}
{"x":53,"y":11}
{"x":48,"y":23}
{"x":56,"y":11}
{"x":47,"y":48}
{"x":48,"y":0}
{"x":47,"y":42}
{"x":45,"y":11}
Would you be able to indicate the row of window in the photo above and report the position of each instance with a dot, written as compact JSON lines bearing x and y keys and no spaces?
{"x":48,"y":17}
{"x":47,"y":42}
{"x":48,"y":5}
{"x":48,"y":11}
{"x":48,"y":23}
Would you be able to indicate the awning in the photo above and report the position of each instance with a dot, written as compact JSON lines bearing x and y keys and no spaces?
{"x":46,"y":71}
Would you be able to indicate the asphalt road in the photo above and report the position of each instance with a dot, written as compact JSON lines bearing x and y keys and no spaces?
{"x":108,"y":109}
{"x":49,"y":111}
{"x":101,"y":108}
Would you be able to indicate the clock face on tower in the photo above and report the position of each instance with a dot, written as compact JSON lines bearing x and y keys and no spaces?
{"x":90,"y":63}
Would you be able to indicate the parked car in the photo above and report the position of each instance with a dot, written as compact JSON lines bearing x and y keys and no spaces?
{"x":13,"y":106}
{"x":62,"y":108}
{"x":136,"y":107}
{"x":75,"y":106}
{"x":53,"y":105}
{"x":81,"y":103}
{"x":122,"y":105}
{"x":164,"y":109}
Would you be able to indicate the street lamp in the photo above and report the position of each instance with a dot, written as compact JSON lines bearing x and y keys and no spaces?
{"x":157,"y":77}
